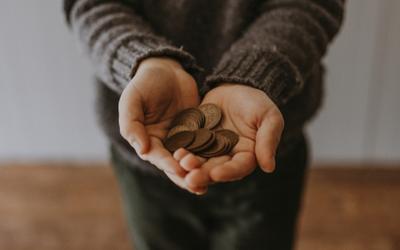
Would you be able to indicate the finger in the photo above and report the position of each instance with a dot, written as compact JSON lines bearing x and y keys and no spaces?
{"x":138,"y":137}
{"x":180,"y":153}
{"x":197,"y":178}
{"x":200,"y":191}
{"x":180,"y":182}
{"x":241,"y":165}
{"x":190,"y":162}
{"x":131,"y":119}
{"x":267,"y":140}
{"x":162,"y":159}
{"x":201,"y":177}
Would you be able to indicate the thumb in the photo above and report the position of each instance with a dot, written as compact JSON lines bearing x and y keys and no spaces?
{"x":131,"y":120}
{"x":267,"y":140}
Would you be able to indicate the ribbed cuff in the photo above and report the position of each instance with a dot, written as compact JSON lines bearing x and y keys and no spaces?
{"x":268,"y":71}
{"x":125,"y":62}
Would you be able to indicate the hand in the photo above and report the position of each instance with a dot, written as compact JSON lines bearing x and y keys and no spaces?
{"x":256,"y":119}
{"x":160,"y":89}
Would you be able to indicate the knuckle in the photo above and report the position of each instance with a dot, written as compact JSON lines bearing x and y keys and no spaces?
{"x":123,"y":130}
{"x":278,"y":118}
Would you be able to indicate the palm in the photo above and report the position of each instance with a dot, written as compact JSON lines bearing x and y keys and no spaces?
{"x":162,"y":101}
{"x":244,"y":110}
{"x":148,"y":104}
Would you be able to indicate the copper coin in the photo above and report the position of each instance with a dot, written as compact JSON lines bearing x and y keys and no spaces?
{"x":221,"y":151}
{"x":202,"y":137}
{"x":192,"y":118}
{"x":216,"y":149}
{"x":226,"y":149}
{"x":176,"y":130}
{"x":212,"y":113}
{"x":206,"y":145}
{"x":232,"y":137}
{"x":179,"y":140}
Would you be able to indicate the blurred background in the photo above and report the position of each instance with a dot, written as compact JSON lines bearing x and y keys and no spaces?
{"x":47,"y":94}
{"x":47,"y":119}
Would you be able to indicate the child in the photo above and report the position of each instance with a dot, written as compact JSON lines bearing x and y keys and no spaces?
{"x":259,"y":61}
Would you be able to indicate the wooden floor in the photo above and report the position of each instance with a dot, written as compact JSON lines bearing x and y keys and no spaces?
{"x":78,"y":208}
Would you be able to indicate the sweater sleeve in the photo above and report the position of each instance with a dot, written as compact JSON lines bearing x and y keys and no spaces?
{"x":281,"y":47}
{"x":117,"y":39}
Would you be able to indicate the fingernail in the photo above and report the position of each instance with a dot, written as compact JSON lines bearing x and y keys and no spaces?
{"x":270,"y":168}
{"x":201,"y":193}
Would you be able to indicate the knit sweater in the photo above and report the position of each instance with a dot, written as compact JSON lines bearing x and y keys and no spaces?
{"x":272,"y":45}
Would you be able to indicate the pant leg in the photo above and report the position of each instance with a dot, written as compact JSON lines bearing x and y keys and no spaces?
{"x":160,"y":215}
{"x":259,"y":212}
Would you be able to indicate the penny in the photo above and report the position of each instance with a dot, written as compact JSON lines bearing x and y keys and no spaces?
{"x":179,"y":140}
{"x":216,"y":148}
{"x":199,"y":130}
{"x":232,"y":137}
{"x":227,"y":147}
{"x":192,"y":118}
{"x":212,"y":113}
{"x":209,"y":143}
{"x":202,"y":137}
{"x":176,"y":130}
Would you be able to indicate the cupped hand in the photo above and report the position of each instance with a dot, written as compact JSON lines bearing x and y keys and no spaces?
{"x":160,"y":89}
{"x":256,"y":119}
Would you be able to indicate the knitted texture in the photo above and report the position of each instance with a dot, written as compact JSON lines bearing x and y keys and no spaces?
{"x":281,"y":47}
{"x":117,"y":40}
{"x":273,"y":45}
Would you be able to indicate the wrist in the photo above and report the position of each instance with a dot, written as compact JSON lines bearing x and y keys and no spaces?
{"x":165,"y":70}
{"x":236,"y":87}
{"x":160,"y":62}
{"x":230,"y":88}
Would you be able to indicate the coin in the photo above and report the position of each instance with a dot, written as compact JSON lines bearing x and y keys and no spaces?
{"x":192,"y":118}
{"x":176,"y":130}
{"x":232,"y":137}
{"x":212,"y":113}
{"x":216,"y":149}
{"x":208,"y":144}
{"x":199,"y":130}
{"x":202,"y":136}
{"x":179,"y":140}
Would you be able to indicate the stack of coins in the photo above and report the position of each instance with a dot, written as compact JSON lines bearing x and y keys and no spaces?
{"x":196,"y":129}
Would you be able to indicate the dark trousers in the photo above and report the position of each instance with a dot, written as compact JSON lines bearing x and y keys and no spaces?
{"x":257,"y":212}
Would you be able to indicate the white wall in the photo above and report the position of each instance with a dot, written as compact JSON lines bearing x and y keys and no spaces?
{"x":46,"y":94}
{"x":360,"y":119}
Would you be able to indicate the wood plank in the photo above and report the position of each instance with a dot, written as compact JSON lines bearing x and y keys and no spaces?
{"x":74,"y":208}
{"x":77,"y":207}
{"x":351,"y":209}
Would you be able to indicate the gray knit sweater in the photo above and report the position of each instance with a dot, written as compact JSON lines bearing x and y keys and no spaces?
{"x":272,"y":45}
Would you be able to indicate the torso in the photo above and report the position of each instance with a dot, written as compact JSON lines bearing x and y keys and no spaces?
{"x":205,"y":28}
